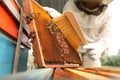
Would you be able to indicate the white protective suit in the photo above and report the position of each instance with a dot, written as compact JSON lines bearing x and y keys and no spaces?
{"x":97,"y":31}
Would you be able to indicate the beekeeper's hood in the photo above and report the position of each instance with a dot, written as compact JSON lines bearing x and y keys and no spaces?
{"x":102,"y":6}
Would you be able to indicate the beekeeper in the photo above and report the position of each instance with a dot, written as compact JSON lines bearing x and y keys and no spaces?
{"x":94,"y":18}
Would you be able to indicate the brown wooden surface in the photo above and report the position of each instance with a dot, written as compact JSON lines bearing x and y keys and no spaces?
{"x":93,"y":74}
{"x":32,"y":26}
{"x":17,"y":49}
{"x":108,"y":72}
{"x":62,"y":74}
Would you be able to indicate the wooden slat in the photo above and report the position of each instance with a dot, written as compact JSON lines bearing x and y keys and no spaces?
{"x":61,"y":65}
{"x":106,"y":74}
{"x":87,"y":75}
{"x":112,"y":73}
{"x":62,"y":74}
{"x":109,"y":70}
{"x":27,"y":7}
{"x":17,"y":50}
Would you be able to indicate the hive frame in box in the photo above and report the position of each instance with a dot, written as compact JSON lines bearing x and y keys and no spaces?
{"x":14,"y":27}
{"x":43,"y":45}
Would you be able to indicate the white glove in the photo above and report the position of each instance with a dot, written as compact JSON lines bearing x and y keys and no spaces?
{"x":95,"y":50}
{"x":53,"y":13}
{"x":82,"y":50}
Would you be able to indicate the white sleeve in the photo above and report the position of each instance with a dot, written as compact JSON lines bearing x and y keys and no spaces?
{"x":106,"y":34}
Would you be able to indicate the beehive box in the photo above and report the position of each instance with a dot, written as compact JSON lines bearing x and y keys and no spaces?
{"x":7,"y":51}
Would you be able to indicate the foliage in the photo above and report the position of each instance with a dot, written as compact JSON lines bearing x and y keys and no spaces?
{"x":112,"y":60}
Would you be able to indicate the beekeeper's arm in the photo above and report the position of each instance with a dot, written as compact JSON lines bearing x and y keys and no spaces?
{"x":103,"y":44}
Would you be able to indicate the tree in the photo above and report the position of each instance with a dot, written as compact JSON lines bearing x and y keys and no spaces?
{"x":113,"y":60}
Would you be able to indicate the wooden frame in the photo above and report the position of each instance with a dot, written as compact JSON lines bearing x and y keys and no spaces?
{"x":46,"y":53}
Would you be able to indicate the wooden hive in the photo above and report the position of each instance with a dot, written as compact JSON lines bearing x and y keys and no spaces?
{"x":9,"y":20}
{"x":7,"y":52}
{"x":9,"y":26}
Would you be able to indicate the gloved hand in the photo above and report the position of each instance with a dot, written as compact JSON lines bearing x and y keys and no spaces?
{"x":83,"y":50}
{"x":53,"y":13}
{"x":95,"y":50}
